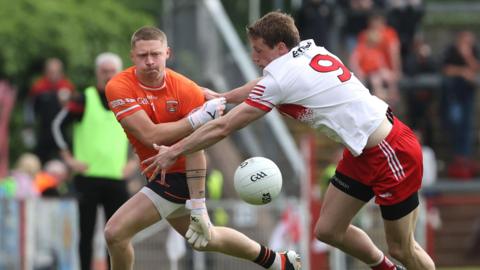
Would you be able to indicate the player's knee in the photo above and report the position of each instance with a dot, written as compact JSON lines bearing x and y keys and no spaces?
{"x":327,"y":234}
{"x":112,"y":234}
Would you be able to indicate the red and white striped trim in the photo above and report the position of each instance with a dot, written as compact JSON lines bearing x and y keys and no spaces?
{"x":127,"y":110}
{"x":257,"y":104}
{"x":392,"y":159}
{"x":258,"y":90}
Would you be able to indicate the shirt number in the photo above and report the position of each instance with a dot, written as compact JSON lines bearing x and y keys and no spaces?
{"x":335,"y":65}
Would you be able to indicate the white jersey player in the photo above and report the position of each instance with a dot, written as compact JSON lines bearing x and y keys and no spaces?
{"x":382,"y":159}
{"x":313,"y":86}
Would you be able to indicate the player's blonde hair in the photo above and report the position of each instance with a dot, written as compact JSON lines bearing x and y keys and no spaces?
{"x":148,"y":33}
{"x":275,"y":27}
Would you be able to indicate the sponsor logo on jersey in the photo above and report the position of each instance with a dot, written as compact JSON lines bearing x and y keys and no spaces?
{"x":143,"y":101}
{"x":171,"y":106}
{"x":301,"y":49}
{"x":117,"y":102}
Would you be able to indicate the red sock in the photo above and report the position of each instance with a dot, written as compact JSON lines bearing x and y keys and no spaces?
{"x":385,"y":264}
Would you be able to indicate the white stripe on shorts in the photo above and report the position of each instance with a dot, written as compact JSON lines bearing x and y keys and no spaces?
{"x":392,"y":159}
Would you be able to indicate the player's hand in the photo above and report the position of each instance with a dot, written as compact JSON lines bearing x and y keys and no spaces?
{"x":76,"y":165}
{"x":210,"y":94}
{"x":160,"y":162}
{"x":210,"y":110}
{"x":198,"y":233}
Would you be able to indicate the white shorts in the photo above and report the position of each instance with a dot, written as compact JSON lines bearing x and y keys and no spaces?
{"x":165,"y":208}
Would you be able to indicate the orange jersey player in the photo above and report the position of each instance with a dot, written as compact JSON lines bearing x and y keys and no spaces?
{"x":155,"y":106}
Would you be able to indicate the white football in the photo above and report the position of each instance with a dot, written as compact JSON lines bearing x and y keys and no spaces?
{"x":258,"y":180}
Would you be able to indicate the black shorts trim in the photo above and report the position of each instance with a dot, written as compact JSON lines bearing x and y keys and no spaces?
{"x":175,"y":188}
{"x":352,"y":187}
{"x":401,"y":209}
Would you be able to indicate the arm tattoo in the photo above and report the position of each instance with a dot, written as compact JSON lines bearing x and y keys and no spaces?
{"x":196,"y":173}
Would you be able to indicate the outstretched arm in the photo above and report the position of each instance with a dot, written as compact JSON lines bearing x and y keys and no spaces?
{"x":207,"y":135}
{"x":239,"y":94}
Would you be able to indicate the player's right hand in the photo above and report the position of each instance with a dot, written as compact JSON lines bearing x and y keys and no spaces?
{"x":210,"y":110}
{"x":198,"y":233}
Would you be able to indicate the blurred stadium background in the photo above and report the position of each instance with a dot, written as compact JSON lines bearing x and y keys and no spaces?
{"x":209,"y":46}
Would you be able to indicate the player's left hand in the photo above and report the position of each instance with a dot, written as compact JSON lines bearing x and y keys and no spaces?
{"x":161,"y":161}
{"x":198,"y":233}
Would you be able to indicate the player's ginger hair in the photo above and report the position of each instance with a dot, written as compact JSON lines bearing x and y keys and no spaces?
{"x":148,"y":33}
{"x":275,"y":27}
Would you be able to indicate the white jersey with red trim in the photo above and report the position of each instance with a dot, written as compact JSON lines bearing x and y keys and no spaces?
{"x":313,"y":86}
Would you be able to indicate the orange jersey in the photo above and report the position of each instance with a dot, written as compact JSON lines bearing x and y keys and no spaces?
{"x":388,"y":37}
{"x":168,"y":103}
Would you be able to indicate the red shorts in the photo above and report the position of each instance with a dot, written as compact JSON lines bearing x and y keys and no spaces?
{"x":391,"y":171}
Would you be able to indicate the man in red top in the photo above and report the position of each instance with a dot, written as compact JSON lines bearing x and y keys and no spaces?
{"x":47,"y":96}
{"x":154,"y":105}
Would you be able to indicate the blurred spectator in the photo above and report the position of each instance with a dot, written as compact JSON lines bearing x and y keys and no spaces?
{"x":49,"y":181}
{"x":20,"y":183}
{"x":388,"y":43}
{"x":47,"y":96}
{"x":405,"y":17}
{"x":100,"y":152}
{"x":420,"y":100}
{"x":420,"y":60}
{"x":7,"y":100}
{"x":460,"y":68}
{"x":357,"y":13}
{"x":314,"y":20}
{"x":375,"y":60}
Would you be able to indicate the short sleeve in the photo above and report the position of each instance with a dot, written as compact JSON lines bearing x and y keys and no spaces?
{"x":265,"y":95}
{"x":121,"y":99}
{"x":192,"y":97}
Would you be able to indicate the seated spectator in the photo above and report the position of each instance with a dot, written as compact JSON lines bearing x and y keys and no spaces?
{"x":49,"y":182}
{"x":19,"y":184}
{"x":388,"y":42}
{"x":370,"y":66}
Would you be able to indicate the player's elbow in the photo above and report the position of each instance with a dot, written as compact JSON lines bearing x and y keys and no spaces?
{"x":148,"y":139}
